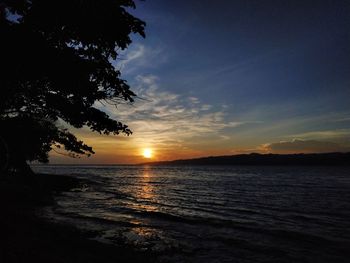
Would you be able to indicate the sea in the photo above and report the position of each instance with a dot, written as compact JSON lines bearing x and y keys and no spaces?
{"x":213,"y":213}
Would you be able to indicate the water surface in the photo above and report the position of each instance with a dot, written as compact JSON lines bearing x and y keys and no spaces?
{"x":215,"y":214}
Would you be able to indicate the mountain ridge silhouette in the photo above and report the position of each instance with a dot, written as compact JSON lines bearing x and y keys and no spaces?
{"x":307,"y":159}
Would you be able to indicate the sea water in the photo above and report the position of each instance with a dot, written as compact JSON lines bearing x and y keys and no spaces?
{"x":214,"y":214}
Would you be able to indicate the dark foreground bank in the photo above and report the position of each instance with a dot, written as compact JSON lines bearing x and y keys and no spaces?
{"x":26,"y":237}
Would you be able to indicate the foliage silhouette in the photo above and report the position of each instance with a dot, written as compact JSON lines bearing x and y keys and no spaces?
{"x":55,"y":64}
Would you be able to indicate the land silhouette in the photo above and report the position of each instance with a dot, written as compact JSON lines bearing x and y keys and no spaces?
{"x":266,"y":159}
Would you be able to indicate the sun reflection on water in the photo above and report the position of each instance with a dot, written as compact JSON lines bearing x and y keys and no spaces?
{"x":146,"y":194}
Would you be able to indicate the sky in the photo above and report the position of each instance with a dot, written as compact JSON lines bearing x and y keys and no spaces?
{"x":230,"y":77}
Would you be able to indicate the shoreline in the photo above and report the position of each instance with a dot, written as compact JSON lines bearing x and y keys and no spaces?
{"x":27,"y":237}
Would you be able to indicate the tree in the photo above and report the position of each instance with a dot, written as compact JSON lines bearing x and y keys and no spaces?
{"x":55,"y":64}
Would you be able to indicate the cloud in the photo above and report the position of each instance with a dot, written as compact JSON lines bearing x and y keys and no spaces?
{"x":167,"y":120}
{"x":139,"y":57}
{"x":344,"y":119}
{"x":303,"y":146}
{"x":327,"y":134}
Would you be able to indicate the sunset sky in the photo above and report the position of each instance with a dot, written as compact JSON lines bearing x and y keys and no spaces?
{"x":229,"y":77}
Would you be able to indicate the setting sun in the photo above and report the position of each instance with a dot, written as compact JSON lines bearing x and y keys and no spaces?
{"x":147,"y":153}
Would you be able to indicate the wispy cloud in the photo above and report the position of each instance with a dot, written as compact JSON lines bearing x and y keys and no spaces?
{"x":137,"y":53}
{"x":167,"y":110}
{"x":166,"y":120}
{"x":139,"y":57}
{"x":344,"y":119}
{"x":325,"y":134}
{"x":303,"y":146}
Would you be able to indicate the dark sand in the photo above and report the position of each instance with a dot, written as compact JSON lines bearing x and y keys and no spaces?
{"x":25,"y":237}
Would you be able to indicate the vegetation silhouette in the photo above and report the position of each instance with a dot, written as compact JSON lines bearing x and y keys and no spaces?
{"x":56,"y":62}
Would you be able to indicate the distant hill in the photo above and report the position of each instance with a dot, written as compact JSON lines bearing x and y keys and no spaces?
{"x":266,"y":159}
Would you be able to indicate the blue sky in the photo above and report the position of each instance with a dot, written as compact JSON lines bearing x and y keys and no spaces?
{"x":225,"y":77}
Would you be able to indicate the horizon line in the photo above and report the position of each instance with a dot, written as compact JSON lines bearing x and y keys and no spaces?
{"x":165,"y":161}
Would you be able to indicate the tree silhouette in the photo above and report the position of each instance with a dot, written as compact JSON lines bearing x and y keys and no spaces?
{"x":55,"y":64}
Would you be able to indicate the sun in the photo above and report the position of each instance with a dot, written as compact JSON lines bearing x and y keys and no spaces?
{"x":147,"y":153}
